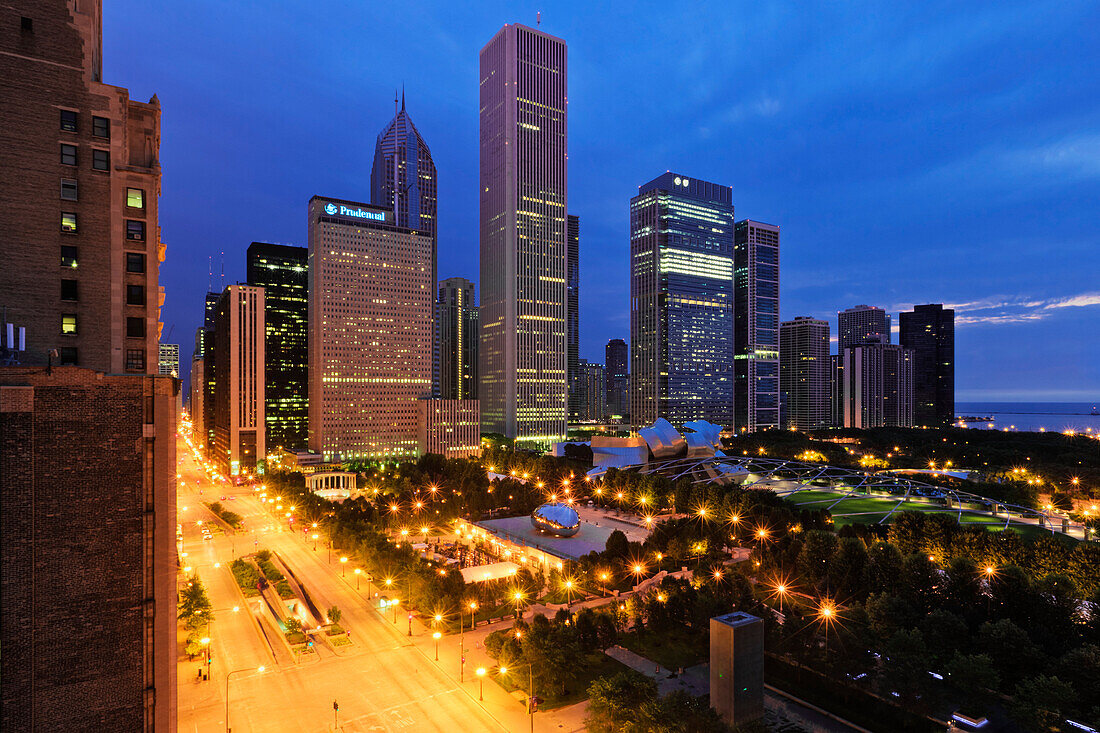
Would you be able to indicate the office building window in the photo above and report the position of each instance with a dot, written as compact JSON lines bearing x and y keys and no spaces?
{"x":68,"y":355}
{"x":135,"y":262}
{"x":68,"y":189}
{"x":135,"y":230}
{"x":135,"y":360}
{"x":68,"y":290}
{"x":68,"y":323}
{"x":101,"y":127}
{"x":135,"y":198}
{"x":68,"y":222}
{"x":68,"y":120}
{"x":135,"y":295}
{"x":68,"y":256}
{"x":135,"y":328}
{"x":101,"y":160}
{"x":68,"y":154}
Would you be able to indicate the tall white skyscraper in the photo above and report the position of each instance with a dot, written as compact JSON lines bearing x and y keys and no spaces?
{"x":524,"y":248}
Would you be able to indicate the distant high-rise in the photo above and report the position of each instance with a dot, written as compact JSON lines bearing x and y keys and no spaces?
{"x":197,"y":388}
{"x":417,"y":183}
{"x":283,"y":272}
{"x":857,"y":325}
{"x":681,"y":294}
{"x":804,"y":373}
{"x":836,"y":390}
{"x":756,"y":328}
{"x":239,"y":426}
{"x":456,"y":317}
{"x":524,"y":238}
{"x":876,"y":385}
{"x":169,"y":360}
{"x":929,"y":330}
{"x":371,"y":297}
{"x":592,"y":391}
{"x":573,"y":315}
{"x":617,"y":359}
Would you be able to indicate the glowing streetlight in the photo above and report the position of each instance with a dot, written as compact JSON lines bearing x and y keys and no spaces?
{"x":343,"y":566}
{"x":437,"y":637}
{"x":481,"y":680}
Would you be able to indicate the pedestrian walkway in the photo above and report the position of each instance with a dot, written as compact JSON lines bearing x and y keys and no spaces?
{"x":638,"y":663}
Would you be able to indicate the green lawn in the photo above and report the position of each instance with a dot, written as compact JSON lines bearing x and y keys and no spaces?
{"x":671,"y":649}
{"x":599,"y":665}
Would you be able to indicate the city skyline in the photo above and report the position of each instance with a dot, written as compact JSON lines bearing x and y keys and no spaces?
{"x":1008,"y":180}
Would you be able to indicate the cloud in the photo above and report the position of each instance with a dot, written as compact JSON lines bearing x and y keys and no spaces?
{"x":1001,"y":310}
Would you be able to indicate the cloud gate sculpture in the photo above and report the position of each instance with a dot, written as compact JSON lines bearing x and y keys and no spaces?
{"x":557,"y":519}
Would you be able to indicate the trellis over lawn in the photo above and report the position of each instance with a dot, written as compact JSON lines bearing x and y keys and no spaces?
{"x":830,"y":487}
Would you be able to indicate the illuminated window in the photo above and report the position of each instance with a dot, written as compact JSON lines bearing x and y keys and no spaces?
{"x":68,"y":323}
{"x":135,"y":198}
{"x":68,"y":256}
{"x":68,"y":222}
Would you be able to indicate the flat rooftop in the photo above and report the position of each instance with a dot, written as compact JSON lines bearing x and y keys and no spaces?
{"x":735,"y":619}
{"x":589,"y":538}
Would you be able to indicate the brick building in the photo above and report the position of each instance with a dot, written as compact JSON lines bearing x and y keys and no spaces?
{"x":87,"y":566}
{"x":79,"y":183}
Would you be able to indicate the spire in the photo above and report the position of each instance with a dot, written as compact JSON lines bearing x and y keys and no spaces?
{"x":402,"y":96}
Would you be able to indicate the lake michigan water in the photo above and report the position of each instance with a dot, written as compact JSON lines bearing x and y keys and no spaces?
{"x":1033,"y":416}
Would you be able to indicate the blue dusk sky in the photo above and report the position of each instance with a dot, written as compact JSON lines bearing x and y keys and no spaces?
{"x":910,"y":152}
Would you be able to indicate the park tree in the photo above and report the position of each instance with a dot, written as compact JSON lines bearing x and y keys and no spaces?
{"x":818,"y":548}
{"x":617,"y":545}
{"x":194,"y":605}
{"x":883,"y":571}
{"x":1041,"y":702}
{"x":847,"y":567}
{"x":1012,"y":651}
{"x":944,"y":633}
{"x":612,"y":701}
{"x":905,"y":662}
{"x":974,"y":675}
{"x":334,"y":615}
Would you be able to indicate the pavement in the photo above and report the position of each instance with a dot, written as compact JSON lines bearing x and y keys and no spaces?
{"x":384,"y":680}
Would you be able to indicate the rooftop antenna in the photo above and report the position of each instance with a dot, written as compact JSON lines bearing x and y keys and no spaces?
{"x":209,"y":273}
{"x":223,"y":271}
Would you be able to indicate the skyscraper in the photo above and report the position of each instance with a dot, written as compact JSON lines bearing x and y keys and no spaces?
{"x":804,"y":373}
{"x":524,"y":247}
{"x":417,"y":183}
{"x":456,"y":318}
{"x":681,"y":294}
{"x":592,"y":391}
{"x":573,"y":319}
{"x":169,"y":360}
{"x":239,"y":425}
{"x":876,"y":385}
{"x":209,"y":357}
{"x":857,"y":325}
{"x":929,"y":330}
{"x":197,"y":391}
{"x":79,"y":236}
{"x":617,"y":357}
{"x":87,"y":452}
{"x":756,"y":328}
{"x":283,"y":272}
{"x":371,"y":297}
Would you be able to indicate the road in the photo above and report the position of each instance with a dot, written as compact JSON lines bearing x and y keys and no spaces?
{"x":384,"y":681}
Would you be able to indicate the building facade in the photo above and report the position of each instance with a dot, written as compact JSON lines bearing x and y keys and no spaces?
{"x":451,"y":428}
{"x":617,"y":360}
{"x":929,"y":330}
{"x":876,"y":386}
{"x":209,"y":374}
{"x":169,"y":360}
{"x":573,"y":315}
{"x":756,"y":327}
{"x":87,"y":557}
{"x":79,"y":234}
{"x":370,"y":325}
{"x":861,"y":324}
{"x":239,"y":390}
{"x":524,"y":238}
{"x":282,"y":271}
{"x":804,"y":373}
{"x":457,"y":335}
{"x":681,"y":302}
{"x":591,"y":391}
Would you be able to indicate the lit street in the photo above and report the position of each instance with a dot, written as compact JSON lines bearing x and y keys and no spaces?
{"x":383,"y":681}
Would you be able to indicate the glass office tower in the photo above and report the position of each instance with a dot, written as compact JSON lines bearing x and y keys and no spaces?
{"x":929,"y":330}
{"x":283,"y":272}
{"x":756,"y":337}
{"x":524,"y":242}
{"x":573,"y":317}
{"x":681,"y":295}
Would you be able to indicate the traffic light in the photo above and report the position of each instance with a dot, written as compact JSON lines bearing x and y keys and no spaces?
{"x":335,"y":706}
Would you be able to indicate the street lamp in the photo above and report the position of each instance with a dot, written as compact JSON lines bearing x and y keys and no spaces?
{"x":358,"y":572}
{"x":206,"y":652}
{"x":343,"y":566}
{"x":437,"y":637}
{"x":481,"y":680}
{"x":236,"y":671}
{"x":315,"y":536}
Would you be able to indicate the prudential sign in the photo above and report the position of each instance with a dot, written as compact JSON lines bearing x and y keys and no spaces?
{"x":357,"y":213}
